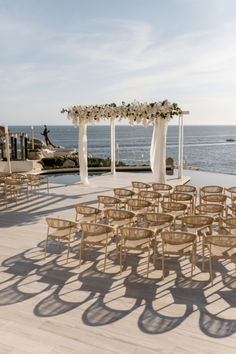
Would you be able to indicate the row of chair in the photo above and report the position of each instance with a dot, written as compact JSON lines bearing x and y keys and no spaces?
{"x":13,"y":184}
{"x":123,"y":223}
{"x":211,"y":199}
{"x":166,"y":190}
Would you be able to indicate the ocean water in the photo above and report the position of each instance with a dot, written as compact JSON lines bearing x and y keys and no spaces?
{"x":205,"y":147}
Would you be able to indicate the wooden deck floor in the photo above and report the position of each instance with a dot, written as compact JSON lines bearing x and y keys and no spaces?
{"x":54,"y":307}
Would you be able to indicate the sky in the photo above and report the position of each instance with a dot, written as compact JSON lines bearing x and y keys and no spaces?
{"x":57,"y":53}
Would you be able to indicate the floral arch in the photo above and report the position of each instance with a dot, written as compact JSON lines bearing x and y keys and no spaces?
{"x":158,"y":113}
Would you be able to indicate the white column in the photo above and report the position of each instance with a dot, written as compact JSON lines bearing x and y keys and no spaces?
{"x":83,"y":155}
{"x":7,"y":150}
{"x":181,"y":146}
{"x":117,"y":153}
{"x":32,"y":136}
{"x":113,"y":150}
{"x":158,"y":149}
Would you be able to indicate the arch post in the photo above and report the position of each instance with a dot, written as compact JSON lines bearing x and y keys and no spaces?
{"x":83,"y":154}
{"x":181,"y":147}
{"x":113,"y":151}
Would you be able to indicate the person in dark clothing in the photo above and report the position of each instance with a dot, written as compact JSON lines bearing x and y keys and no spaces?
{"x":45,"y":134}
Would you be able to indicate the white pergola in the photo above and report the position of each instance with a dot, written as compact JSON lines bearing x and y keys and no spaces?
{"x":158,"y":114}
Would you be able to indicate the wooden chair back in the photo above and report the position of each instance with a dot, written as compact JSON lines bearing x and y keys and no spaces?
{"x":140,"y":186}
{"x":173,"y":206}
{"x":86,"y":211}
{"x":158,"y":219}
{"x":221,"y":247}
{"x":107,"y":201}
{"x":123,"y":192}
{"x":161,"y":187}
{"x":136,"y":204}
{"x":118,"y":214}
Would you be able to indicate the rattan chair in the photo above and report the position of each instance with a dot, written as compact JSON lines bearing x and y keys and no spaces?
{"x":33,"y":183}
{"x":228,"y":225}
{"x":139,"y":207}
{"x":231,"y":210}
{"x":36,"y":181}
{"x":19,"y":176}
{"x":201,"y":225}
{"x":214,"y":210}
{"x":185,"y":198}
{"x":118,"y":217}
{"x":14,"y":187}
{"x":108,"y":202}
{"x":60,"y":229}
{"x":177,"y":210}
{"x":96,"y":235}
{"x":197,"y":223}
{"x":123,"y":194}
{"x":43,"y":180}
{"x":151,"y":196}
{"x":232,"y":194}
{"x":163,"y":189}
{"x":221,"y":247}
{"x":215,"y":198}
{"x":180,"y":244}
{"x":185,"y":188}
{"x":85,"y":213}
{"x":140,"y":186}
{"x":209,"y":190}
{"x":135,"y":239}
{"x":158,"y":222}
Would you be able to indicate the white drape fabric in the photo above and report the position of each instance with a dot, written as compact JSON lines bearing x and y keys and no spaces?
{"x":181,"y":152}
{"x":83,"y":155}
{"x":113,"y":151}
{"x":158,"y":149}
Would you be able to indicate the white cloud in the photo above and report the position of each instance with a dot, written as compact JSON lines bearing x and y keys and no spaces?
{"x":115,"y":60}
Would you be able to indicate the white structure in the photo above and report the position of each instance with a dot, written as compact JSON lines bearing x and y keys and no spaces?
{"x":158,"y":114}
{"x":17,"y":166}
{"x":7,"y":150}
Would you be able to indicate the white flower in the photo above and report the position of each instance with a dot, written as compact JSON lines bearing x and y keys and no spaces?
{"x":141,"y":112}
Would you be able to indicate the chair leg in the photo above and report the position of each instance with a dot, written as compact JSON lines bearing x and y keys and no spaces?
{"x":163,"y":262}
{"x":59,"y":244}
{"x":105,"y":258}
{"x":68,"y":250}
{"x":163,"y":267}
{"x":155,"y":252}
{"x":191,"y":276}
{"x":195,"y":256}
{"x":116,"y":236}
{"x":125,"y":252}
{"x":203,"y":254}
{"x":81,"y":251}
{"x":121,"y":250}
{"x":148,"y":261}
{"x":210,"y":266}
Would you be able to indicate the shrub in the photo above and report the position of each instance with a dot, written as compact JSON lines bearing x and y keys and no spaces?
{"x":57,"y":162}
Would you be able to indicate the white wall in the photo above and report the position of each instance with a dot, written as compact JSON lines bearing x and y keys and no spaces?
{"x":17,"y":166}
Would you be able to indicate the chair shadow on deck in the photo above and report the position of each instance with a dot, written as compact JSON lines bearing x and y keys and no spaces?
{"x":29,"y":211}
{"x":108,"y":297}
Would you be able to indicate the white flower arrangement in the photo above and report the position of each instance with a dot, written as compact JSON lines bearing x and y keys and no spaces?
{"x":145,"y":113}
